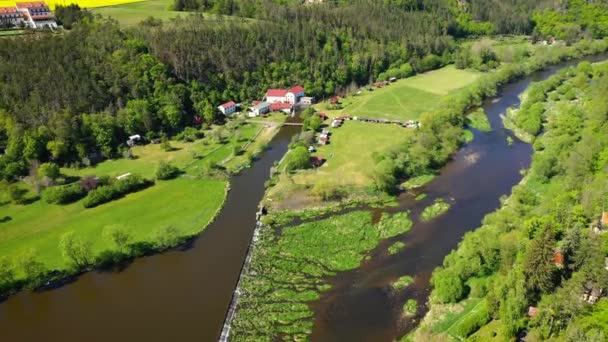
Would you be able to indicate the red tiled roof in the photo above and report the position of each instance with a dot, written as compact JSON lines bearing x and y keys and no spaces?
{"x":297,"y":89}
{"x":228,"y":104}
{"x":280,"y":105}
{"x":8,"y":10}
{"x":558,"y":258}
{"x":36,"y":4}
{"x":276,"y":92}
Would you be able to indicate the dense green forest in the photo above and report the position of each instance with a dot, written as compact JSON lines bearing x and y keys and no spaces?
{"x":543,"y":249}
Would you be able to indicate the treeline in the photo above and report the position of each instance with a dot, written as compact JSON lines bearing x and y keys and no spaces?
{"x":441,"y":132}
{"x":541,"y":249}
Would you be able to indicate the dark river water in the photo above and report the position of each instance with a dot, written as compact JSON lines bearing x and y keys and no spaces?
{"x":183,"y":295}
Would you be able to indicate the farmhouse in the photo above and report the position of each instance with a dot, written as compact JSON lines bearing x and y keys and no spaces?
{"x":292,"y":95}
{"x":36,"y":15}
{"x":259,"y":109}
{"x":227,"y":108}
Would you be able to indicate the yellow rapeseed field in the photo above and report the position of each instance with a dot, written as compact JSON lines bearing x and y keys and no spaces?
{"x":82,"y":3}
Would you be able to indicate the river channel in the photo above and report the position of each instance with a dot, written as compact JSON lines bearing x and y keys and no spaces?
{"x":183,"y":294}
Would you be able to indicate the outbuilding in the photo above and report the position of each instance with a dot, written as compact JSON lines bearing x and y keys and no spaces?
{"x":227,"y":108}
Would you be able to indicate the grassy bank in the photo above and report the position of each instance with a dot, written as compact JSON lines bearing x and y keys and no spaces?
{"x":160,"y":216}
{"x":290,"y":267}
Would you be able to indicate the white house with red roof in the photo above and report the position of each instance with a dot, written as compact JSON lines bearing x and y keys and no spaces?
{"x":227,"y":108}
{"x":37,"y":14}
{"x":291,"y":95}
{"x":10,"y":17}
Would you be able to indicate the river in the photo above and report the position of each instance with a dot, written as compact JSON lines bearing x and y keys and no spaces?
{"x":183,"y":294}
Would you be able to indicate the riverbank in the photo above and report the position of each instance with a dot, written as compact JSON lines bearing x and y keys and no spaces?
{"x":165,"y":215}
{"x":343,"y":290}
{"x":553,"y":212}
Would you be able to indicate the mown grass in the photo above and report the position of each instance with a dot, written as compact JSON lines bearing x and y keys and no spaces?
{"x":407,"y":98}
{"x":288,"y":271}
{"x":188,"y":156}
{"x":348,"y":156}
{"x":178,"y":203}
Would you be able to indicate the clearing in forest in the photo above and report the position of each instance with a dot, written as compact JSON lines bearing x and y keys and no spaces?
{"x":407,"y":98}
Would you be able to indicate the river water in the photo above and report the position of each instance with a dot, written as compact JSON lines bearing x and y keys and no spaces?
{"x":183,"y":295}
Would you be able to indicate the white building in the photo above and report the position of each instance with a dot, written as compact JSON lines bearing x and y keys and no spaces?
{"x":291,"y":95}
{"x":36,"y":15}
{"x":259,"y":109}
{"x":10,"y":17}
{"x":227,"y":108}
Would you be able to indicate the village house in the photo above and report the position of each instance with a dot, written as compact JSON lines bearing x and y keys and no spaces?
{"x":558,"y":258}
{"x":259,"y":108}
{"x":227,"y":108}
{"x":292,"y":95}
{"x":36,"y":15}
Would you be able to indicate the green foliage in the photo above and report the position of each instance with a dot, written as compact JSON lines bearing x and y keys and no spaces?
{"x":438,"y":208}
{"x":119,"y":236}
{"x":75,"y":250}
{"x":312,"y":123}
{"x":479,"y":121}
{"x":63,"y":194}
{"x":117,"y":189}
{"x":402,"y":282}
{"x":166,"y":171}
{"x":50,"y":170}
{"x":448,"y":286}
{"x":297,"y":159}
{"x":410,"y":307}
{"x":396,"y":248}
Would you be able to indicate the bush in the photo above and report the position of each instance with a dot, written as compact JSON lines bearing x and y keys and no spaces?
{"x":472,"y":322}
{"x":116,"y":190}
{"x":166,"y":171}
{"x":297,"y":159}
{"x":64,"y":194}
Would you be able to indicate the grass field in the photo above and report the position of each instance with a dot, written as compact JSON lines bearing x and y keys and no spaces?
{"x":133,"y":13}
{"x":407,"y":98}
{"x":188,"y":156}
{"x":186,"y":204}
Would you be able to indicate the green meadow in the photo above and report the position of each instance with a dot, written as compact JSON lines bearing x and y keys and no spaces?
{"x":186,"y":204}
{"x":408,"y":98}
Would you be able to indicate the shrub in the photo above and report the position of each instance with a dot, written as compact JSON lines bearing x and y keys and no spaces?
{"x":50,"y":170}
{"x":166,"y":171}
{"x":64,"y":194}
{"x":118,"y":189}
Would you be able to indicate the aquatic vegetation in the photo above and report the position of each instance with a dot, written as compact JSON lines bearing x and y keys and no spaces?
{"x":416,"y":182}
{"x":436,"y":209}
{"x":479,"y":120}
{"x":396,"y":247}
{"x":290,"y":268}
{"x":410,"y":307}
{"x":402,"y":282}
